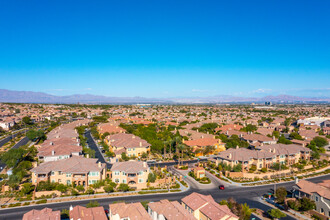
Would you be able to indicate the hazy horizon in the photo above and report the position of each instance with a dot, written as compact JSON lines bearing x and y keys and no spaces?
{"x":162,"y":49}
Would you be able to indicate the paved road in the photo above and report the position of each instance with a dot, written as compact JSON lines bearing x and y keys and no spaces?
{"x":94,"y":147}
{"x":241,"y":194}
{"x":5,"y":140}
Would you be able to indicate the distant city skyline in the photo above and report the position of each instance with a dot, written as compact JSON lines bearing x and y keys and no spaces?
{"x":160,"y":49}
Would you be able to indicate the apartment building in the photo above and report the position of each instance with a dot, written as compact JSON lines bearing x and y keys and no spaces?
{"x":62,"y":143}
{"x":264,"y":156}
{"x":166,"y":210}
{"x":130,"y":144}
{"x":318,"y":192}
{"x":122,"y":211}
{"x":133,"y":173}
{"x":204,"y":207}
{"x":74,"y":170}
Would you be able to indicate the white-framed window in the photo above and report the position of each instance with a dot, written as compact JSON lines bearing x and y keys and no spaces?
{"x":116,"y":180}
{"x":124,"y":181}
{"x":52,"y":173}
{"x":140,"y":173}
{"x":316,"y":198}
{"x":140,"y":180}
{"x":124,"y":173}
{"x":117,"y":173}
{"x":68,"y":175}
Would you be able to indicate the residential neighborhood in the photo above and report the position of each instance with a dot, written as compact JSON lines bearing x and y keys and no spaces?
{"x":100,"y":152}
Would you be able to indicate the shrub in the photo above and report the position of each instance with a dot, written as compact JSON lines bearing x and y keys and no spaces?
{"x":41,"y":201}
{"x":294,"y":204}
{"x":92,"y":204}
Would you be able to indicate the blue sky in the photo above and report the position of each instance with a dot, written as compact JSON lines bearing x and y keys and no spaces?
{"x":166,"y":48}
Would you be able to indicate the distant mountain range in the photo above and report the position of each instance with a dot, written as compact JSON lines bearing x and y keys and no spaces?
{"x":39,"y":97}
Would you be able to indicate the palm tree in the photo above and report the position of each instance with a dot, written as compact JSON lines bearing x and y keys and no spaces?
{"x":165,"y":144}
{"x":181,"y":148}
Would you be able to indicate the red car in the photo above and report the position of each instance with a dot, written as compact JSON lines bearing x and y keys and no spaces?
{"x":222,"y":187}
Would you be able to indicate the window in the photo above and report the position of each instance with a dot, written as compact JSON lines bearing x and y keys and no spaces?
{"x":53,"y":181}
{"x":53,"y":173}
{"x":141,"y":173}
{"x":124,"y":181}
{"x":116,"y":180}
{"x":117,"y":173}
{"x":68,"y":182}
{"x":140,"y":180}
{"x":68,"y":175}
{"x":124,"y":173}
{"x":316,"y":198}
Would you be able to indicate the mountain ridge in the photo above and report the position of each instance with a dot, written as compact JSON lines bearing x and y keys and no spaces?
{"x":13,"y":96}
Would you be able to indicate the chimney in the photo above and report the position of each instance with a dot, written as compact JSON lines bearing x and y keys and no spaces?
{"x":53,"y":152}
{"x":133,"y":136}
{"x":71,"y":207}
{"x":274,"y":150}
{"x":140,"y":144}
{"x":274,"y":138}
{"x":87,"y":155}
{"x":296,"y":180}
{"x":51,"y":143}
{"x":237,"y":146}
{"x":100,"y":165}
{"x":145,"y":164}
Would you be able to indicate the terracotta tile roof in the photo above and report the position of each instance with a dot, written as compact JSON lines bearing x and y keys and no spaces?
{"x":229,"y":127}
{"x":133,"y":211}
{"x":44,"y":214}
{"x":214,"y":211}
{"x":131,"y":166}
{"x":83,"y":213}
{"x":202,"y":142}
{"x":73,"y":164}
{"x":171,"y":210}
{"x":196,"y":200}
{"x":127,"y":140}
{"x":309,"y":188}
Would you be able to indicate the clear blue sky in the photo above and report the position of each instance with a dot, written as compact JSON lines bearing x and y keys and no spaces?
{"x":166,"y":48}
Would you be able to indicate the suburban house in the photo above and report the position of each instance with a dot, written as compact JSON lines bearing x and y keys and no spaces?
{"x":318,"y":192}
{"x":45,"y":213}
{"x":264,"y":156}
{"x":74,"y":170}
{"x":258,"y":139}
{"x":82,"y":213}
{"x":7,"y":123}
{"x":205,"y":208}
{"x":202,"y":143}
{"x":133,"y":173}
{"x":166,"y":210}
{"x":111,"y":128}
{"x":121,"y":211}
{"x":229,"y":127}
{"x":130,"y":144}
{"x":199,"y":172}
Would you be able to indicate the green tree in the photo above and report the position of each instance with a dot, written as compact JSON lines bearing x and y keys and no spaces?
{"x":123,"y":187}
{"x":80,"y":188}
{"x":283,"y":140}
{"x":307,"y":204}
{"x":281,"y":194}
{"x":320,"y":141}
{"x":62,"y":188}
{"x":27,"y":120}
{"x":295,"y":135}
{"x":276,"y":214}
{"x":276,"y":134}
{"x":152,"y":177}
{"x":294,"y":204}
{"x":27,"y":188}
{"x":108,"y":189}
{"x":237,"y":168}
{"x":249,"y":128}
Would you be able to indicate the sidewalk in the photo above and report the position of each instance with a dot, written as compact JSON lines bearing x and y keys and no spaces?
{"x":290,"y":212}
